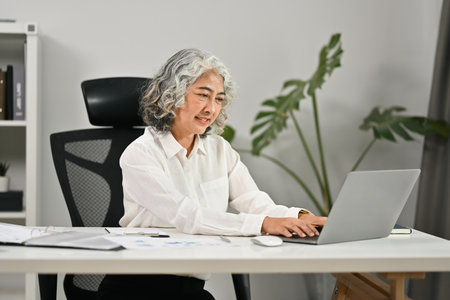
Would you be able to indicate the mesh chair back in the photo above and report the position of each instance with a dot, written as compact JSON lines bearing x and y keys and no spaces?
{"x":87,"y":165}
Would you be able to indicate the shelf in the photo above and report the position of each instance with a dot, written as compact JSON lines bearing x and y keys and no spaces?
{"x":17,"y":28}
{"x":12,"y":215}
{"x":12,"y":123}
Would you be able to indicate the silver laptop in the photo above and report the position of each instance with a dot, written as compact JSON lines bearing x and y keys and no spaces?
{"x":367,"y":206}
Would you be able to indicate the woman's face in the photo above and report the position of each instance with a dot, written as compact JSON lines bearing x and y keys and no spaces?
{"x":202,"y":105}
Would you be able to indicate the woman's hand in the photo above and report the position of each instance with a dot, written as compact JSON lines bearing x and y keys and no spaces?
{"x":306,"y":225}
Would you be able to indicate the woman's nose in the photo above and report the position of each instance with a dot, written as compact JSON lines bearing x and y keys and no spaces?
{"x":210,"y":106}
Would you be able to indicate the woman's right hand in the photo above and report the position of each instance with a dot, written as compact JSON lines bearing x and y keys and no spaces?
{"x":286,"y":226}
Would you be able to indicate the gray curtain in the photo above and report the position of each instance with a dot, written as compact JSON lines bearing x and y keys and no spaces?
{"x":433,"y":207}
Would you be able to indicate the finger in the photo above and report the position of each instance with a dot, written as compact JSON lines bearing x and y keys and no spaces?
{"x":300,"y":228}
{"x":314,"y":229}
{"x":298,"y":231}
{"x":308,"y":229}
{"x":285,"y":232}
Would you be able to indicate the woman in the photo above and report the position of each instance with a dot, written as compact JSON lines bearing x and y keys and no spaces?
{"x":181,"y":174}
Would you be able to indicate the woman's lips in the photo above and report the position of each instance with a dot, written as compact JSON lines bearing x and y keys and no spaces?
{"x":203,"y":119}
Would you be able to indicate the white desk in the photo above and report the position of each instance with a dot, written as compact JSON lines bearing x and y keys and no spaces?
{"x":415,"y":252}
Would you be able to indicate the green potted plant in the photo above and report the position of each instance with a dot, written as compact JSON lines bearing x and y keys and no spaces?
{"x":385,"y":124}
{"x":4,"y":180}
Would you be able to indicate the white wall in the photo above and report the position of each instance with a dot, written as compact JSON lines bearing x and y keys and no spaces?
{"x":388,"y":59}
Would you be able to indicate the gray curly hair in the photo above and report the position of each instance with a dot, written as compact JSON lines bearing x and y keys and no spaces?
{"x":165,"y":92}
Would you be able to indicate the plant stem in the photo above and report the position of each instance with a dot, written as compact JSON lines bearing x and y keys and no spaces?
{"x":327,"y":194}
{"x":363,"y":154}
{"x":296,"y":178}
{"x":308,"y":152}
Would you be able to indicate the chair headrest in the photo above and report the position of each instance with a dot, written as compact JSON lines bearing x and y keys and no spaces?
{"x":113,"y":101}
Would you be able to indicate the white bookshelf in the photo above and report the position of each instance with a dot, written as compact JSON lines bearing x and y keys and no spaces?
{"x":19,"y":139}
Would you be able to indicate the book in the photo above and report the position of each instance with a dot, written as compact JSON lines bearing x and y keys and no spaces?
{"x":2,"y":95}
{"x":399,"y":229}
{"x":32,"y":236}
{"x":19,"y":92}
{"x":11,"y":201}
{"x":9,"y":92}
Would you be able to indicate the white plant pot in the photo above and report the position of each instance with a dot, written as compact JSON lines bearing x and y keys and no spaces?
{"x":4,"y":183}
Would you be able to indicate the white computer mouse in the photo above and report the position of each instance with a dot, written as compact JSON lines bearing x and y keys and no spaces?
{"x":267,"y":240}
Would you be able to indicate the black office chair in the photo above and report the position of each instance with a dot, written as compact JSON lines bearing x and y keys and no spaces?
{"x":87,"y":165}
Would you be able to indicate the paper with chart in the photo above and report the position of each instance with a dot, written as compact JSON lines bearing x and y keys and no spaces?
{"x":147,"y":242}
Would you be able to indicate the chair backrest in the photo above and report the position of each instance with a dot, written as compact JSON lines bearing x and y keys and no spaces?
{"x":113,"y":101}
{"x":87,"y":163}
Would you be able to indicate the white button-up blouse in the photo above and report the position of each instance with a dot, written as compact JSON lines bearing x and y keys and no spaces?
{"x":164,"y":188}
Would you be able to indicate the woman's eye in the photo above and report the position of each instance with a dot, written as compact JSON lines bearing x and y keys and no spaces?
{"x":220,"y":99}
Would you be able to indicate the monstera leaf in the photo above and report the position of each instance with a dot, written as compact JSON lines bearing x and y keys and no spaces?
{"x":329,"y":59}
{"x":228,"y":133}
{"x":272,"y":120}
{"x":388,"y":124}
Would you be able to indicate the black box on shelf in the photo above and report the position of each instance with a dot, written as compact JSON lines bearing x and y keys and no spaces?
{"x":11,"y":201}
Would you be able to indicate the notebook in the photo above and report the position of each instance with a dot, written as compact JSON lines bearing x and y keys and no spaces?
{"x":33,"y":236}
{"x":367,"y":207}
